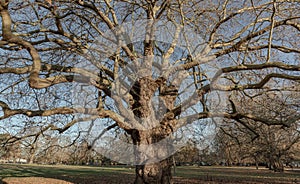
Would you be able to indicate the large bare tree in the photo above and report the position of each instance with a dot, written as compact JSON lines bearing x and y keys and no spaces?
{"x":262,"y":142}
{"x":146,"y":69}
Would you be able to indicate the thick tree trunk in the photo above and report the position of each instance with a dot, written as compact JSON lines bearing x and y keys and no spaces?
{"x":159,"y":173}
{"x":153,"y":159}
{"x":276,"y":165}
{"x":152,"y":147}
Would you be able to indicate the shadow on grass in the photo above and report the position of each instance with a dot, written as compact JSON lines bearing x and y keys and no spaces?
{"x":220,"y":174}
{"x":73,"y":174}
{"x":118,"y":175}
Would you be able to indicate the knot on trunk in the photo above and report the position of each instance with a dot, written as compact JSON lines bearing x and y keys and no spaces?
{"x":142,"y":92}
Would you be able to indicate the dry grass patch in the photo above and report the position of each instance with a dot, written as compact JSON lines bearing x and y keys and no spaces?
{"x":34,"y":180}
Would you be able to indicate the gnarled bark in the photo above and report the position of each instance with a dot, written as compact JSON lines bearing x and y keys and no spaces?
{"x":154,"y":163}
{"x":152,"y":145}
{"x":154,"y":173}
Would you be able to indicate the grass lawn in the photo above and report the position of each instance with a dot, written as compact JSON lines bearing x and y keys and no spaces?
{"x":239,"y":175}
{"x":73,"y":174}
{"x":11,"y":173}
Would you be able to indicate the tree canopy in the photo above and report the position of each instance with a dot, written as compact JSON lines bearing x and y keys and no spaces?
{"x":146,"y":69}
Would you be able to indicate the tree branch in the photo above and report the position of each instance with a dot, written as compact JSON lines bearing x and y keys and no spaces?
{"x":258,"y":85}
{"x":238,"y":45}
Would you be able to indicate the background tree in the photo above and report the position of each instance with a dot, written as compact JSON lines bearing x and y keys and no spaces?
{"x":189,"y":154}
{"x":261,"y":142}
{"x":3,"y":148}
{"x":51,"y":51}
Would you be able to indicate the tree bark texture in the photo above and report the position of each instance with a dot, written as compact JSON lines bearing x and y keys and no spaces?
{"x":152,"y":147}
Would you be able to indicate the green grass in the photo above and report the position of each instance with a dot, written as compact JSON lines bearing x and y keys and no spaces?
{"x":15,"y":170}
{"x":236,"y":174}
{"x":75,"y":174}
{"x":87,"y":174}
